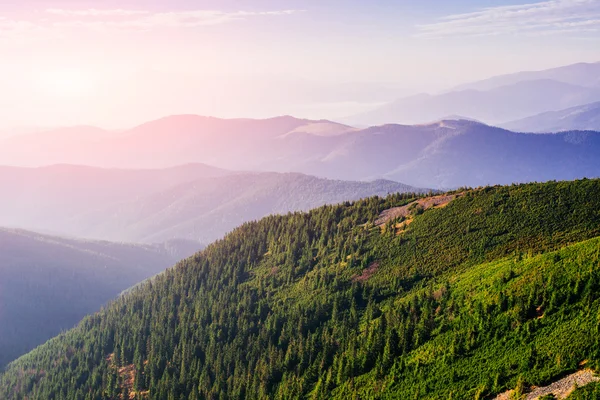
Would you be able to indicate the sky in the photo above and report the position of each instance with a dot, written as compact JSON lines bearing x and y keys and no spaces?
{"x":116,"y":64}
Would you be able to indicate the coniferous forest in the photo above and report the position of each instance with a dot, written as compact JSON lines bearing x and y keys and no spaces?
{"x":498,"y":289}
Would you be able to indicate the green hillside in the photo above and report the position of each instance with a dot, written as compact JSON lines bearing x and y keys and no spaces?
{"x":498,"y":289}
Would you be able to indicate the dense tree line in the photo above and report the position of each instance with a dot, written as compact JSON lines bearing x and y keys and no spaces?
{"x":497,"y":289}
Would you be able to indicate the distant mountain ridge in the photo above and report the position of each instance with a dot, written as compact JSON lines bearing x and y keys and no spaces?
{"x":581,"y":74}
{"x":206,"y":209}
{"x":194,"y":202}
{"x":586,"y":117}
{"x":45,"y":199}
{"x":446,"y":154}
{"x":495,"y":100}
{"x":162,"y":143}
{"x":495,"y":105}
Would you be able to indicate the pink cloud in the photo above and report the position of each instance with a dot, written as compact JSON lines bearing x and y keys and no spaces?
{"x":139,"y":19}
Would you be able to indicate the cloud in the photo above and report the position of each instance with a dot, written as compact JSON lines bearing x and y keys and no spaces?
{"x":541,"y":18}
{"x":54,"y":21}
{"x":16,"y":31}
{"x":92,"y":12}
{"x":144,"y":20}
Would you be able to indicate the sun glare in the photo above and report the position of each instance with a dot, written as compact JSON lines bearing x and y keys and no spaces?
{"x":68,"y":82}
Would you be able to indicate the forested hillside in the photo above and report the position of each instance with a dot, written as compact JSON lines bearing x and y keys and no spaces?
{"x":491,"y":289}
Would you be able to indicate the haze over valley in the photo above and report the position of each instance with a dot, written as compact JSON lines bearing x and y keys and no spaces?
{"x":48,"y":284}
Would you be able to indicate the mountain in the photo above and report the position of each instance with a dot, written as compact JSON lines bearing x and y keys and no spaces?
{"x":47,"y":283}
{"x":586,"y":117}
{"x":193,"y":202}
{"x":495,"y":105}
{"x":580,"y":74}
{"x":445,"y":154}
{"x":462,"y":295}
{"x":206,"y":209}
{"x":48,"y":198}
{"x":163,"y":143}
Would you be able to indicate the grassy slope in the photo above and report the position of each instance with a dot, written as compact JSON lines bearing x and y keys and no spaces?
{"x":482,"y":343}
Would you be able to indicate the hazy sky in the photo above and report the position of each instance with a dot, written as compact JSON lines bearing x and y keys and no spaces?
{"x":119,"y":63}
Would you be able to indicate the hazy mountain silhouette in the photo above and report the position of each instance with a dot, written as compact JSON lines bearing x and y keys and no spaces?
{"x":436,"y":155}
{"x":166,"y":142}
{"x":193,"y":202}
{"x":445,"y":154}
{"x":586,"y":117}
{"x":206,"y":209}
{"x":46,"y":199}
{"x":499,"y":104}
{"x":580,"y":74}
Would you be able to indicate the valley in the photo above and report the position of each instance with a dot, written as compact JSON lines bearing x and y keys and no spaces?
{"x":49,"y":283}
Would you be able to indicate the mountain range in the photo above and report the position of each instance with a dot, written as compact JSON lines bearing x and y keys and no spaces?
{"x":204,"y":210}
{"x":47,"y":199}
{"x":162,"y":143}
{"x":585,"y":118}
{"x":448,"y":154}
{"x":579,"y":74}
{"x":496,"y":100}
{"x":498,"y":105}
{"x":444,"y":154}
{"x":48,"y":283}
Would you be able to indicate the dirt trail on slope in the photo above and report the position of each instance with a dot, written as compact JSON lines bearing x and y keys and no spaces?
{"x":561,"y":388}
{"x":405,"y":211}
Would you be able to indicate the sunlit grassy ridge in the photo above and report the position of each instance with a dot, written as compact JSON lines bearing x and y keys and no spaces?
{"x":492,"y":290}
{"x":533,"y":318}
